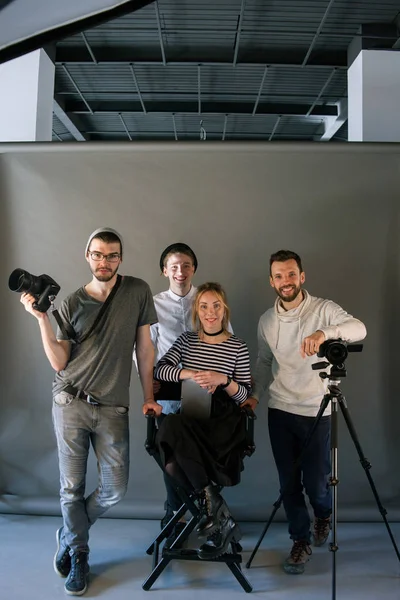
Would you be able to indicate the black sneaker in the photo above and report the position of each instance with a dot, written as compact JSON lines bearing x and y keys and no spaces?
{"x":299,"y":555}
{"x":76,"y":584}
{"x":62,"y":559}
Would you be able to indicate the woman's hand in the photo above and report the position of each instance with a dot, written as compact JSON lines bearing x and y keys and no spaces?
{"x":187,"y":374}
{"x":209,"y":380}
{"x":151,"y":406}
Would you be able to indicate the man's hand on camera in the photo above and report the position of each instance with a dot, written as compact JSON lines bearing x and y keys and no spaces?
{"x":27,"y":300}
{"x":311,"y":344}
{"x":150,"y":406}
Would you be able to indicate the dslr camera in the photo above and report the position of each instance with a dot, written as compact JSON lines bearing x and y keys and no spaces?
{"x":42,"y":287}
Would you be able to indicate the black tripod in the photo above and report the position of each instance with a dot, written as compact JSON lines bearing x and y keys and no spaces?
{"x":336,"y":398}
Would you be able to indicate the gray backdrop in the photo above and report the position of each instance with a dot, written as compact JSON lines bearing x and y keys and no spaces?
{"x":336,"y":205}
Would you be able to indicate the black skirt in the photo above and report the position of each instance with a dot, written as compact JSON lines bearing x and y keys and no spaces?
{"x":216,"y":443}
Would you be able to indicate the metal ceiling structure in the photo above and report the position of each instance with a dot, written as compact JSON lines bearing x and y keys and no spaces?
{"x":220,"y":70}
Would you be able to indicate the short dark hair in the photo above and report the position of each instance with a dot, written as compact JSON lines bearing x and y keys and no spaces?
{"x":284,"y":255}
{"x":108,"y":238}
{"x":177,"y":248}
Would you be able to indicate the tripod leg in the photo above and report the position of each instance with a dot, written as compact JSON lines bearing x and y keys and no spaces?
{"x":366,"y":466}
{"x":277,"y":504}
{"x":334,"y":480}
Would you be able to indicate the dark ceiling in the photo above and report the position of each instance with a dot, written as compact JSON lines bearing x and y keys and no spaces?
{"x":220,"y":70}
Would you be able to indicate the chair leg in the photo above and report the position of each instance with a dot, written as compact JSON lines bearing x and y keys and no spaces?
{"x":165,"y":532}
{"x":185,"y":533}
{"x":156,"y":572}
{"x":232,"y":560}
{"x":237,"y":572}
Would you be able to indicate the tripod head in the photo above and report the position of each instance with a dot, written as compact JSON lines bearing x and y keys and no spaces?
{"x":336,"y":373}
{"x":336,"y":352}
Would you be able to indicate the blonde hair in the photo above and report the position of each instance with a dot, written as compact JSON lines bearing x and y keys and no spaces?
{"x":218,"y":290}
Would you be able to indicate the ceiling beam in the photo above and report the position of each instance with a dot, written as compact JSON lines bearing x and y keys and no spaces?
{"x":56,"y":135}
{"x":69,"y":121}
{"x":259,"y":91}
{"x":327,"y":82}
{"x":89,"y":48}
{"x":273,"y":132}
{"x":225,"y":126}
{"x":319,"y":29}
{"x":194,"y":135}
{"x":238,"y":32}
{"x":125,"y":127}
{"x":333,"y":124}
{"x":137,"y":88}
{"x":178,"y":56}
{"x":72,"y":80}
{"x":174,"y":125}
{"x":160,"y":35}
{"x":264,"y":108}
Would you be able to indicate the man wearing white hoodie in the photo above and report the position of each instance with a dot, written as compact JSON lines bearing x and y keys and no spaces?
{"x":289,"y":337}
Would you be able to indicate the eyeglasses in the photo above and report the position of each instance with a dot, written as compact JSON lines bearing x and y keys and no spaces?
{"x":98,"y":256}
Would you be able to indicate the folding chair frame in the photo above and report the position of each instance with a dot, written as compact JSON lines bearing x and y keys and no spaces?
{"x":192,"y":503}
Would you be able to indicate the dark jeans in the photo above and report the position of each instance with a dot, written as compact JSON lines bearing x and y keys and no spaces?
{"x":287,"y":434}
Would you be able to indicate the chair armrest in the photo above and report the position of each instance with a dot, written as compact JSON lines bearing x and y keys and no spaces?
{"x":249,"y":412}
{"x":250,"y":418}
{"x":150,"y":443}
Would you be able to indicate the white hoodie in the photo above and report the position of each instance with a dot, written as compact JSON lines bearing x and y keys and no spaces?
{"x":295,"y":387}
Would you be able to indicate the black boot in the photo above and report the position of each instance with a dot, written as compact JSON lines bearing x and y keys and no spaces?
{"x":218,"y":542}
{"x":215,"y":508}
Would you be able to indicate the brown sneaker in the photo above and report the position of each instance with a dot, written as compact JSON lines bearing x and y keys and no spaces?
{"x":321,"y":531}
{"x":299,"y":555}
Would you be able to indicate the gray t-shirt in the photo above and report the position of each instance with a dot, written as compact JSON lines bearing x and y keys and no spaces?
{"x":101,"y":366}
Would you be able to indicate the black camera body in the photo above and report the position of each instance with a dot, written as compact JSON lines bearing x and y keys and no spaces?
{"x":43,"y":287}
{"x":336,"y":351}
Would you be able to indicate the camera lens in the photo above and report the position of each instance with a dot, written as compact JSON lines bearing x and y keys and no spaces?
{"x":336,"y":353}
{"x":22,"y":281}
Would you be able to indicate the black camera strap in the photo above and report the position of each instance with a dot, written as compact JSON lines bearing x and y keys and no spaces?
{"x":102,"y":310}
{"x":61,"y":325}
{"x":71,"y":334}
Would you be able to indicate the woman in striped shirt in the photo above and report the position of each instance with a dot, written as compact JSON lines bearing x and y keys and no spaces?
{"x":203,"y":454}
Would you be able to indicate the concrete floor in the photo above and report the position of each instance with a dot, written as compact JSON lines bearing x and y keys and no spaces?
{"x":367,"y":566}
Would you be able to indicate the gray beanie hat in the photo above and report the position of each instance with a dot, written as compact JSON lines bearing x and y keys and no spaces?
{"x":105,"y":230}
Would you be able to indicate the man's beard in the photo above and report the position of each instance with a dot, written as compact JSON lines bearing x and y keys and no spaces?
{"x":105,"y":276}
{"x":289,"y":297}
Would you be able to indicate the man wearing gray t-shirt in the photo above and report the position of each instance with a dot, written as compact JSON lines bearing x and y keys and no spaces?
{"x":91,"y":392}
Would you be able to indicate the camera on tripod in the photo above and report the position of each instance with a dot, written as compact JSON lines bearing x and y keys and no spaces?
{"x":42,"y":287}
{"x":335,"y":352}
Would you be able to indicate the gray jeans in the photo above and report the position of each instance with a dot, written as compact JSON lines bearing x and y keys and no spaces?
{"x":76,"y":425}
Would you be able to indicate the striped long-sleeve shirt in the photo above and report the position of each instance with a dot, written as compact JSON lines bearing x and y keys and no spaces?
{"x":230,"y":357}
